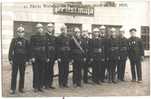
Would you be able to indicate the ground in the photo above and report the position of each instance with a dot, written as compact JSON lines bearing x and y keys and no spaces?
{"x":126,"y":88}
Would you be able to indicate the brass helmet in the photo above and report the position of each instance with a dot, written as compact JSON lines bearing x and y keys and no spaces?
{"x":113,"y":29}
{"x":102,"y":27}
{"x":95,"y":30}
{"x":50,"y":25}
{"x":76,"y":29}
{"x":39,"y":25}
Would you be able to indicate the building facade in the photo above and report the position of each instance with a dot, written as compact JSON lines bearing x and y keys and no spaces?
{"x":85,"y":15}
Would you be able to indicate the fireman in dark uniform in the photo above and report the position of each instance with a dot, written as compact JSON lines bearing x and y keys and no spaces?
{"x":104,"y":58}
{"x":51,"y":56}
{"x":18,"y":56}
{"x":77,"y":56}
{"x":38,"y":57}
{"x":136,"y":55}
{"x":113,"y":55}
{"x":84,"y":45}
{"x":63,"y":55}
{"x":97,"y":55}
{"x":123,"y":53}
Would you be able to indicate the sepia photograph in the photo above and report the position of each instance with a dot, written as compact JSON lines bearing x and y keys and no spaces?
{"x":75,"y":48}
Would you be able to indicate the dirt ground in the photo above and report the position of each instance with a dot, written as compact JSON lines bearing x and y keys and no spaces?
{"x":126,"y":88}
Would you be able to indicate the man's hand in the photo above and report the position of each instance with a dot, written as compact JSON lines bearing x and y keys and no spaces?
{"x":33,"y":60}
{"x":142,"y":58}
{"x":27,"y":63}
{"x":11,"y":62}
{"x":72,"y":61}
{"x":48,"y":60}
{"x":91,"y":59}
{"x":107,"y":59}
{"x":84,"y":59}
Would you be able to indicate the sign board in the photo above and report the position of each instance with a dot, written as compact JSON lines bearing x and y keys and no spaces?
{"x":73,"y":9}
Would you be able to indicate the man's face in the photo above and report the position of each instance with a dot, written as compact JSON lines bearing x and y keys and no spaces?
{"x":102,"y":32}
{"x":63,"y":31}
{"x":85,"y":34}
{"x":96,"y":33}
{"x":78,"y":33}
{"x":133,"y":33}
{"x":40,"y":30}
{"x":121,"y":33}
{"x":113,"y":33}
{"x":20,"y":34}
{"x":50,"y":28}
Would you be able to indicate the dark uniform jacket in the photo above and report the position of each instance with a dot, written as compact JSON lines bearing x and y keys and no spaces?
{"x":18,"y":51}
{"x":107,"y":48}
{"x":38,"y":47}
{"x":50,"y":46}
{"x":113,"y":49}
{"x":123,"y":48}
{"x":63,"y":46}
{"x":84,"y":45}
{"x":136,"y":48}
{"x":97,"y":49}
{"x":75,"y":50}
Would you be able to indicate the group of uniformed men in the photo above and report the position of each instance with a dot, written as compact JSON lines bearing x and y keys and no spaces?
{"x":106,"y":55}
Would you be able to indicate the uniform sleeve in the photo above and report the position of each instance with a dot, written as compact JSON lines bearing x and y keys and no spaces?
{"x":27,"y":50}
{"x":11,"y":49}
{"x":128,"y":47}
{"x":141,"y":45}
{"x":46,"y":46}
{"x":89,"y":48}
{"x":126,"y":40}
{"x":30,"y":44}
{"x":57,"y":47}
{"x":107,"y":48}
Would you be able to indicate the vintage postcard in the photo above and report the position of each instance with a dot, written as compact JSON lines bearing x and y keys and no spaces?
{"x":70,"y":48}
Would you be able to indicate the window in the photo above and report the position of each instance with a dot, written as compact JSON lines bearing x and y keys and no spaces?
{"x":145,"y":36}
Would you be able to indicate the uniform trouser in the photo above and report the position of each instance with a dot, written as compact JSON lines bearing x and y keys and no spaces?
{"x":96,"y":68}
{"x":38,"y":73}
{"x":49,"y":72}
{"x":102,"y":70}
{"x":136,"y":68}
{"x":15,"y":68}
{"x":121,"y":69}
{"x":77,"y":71}
{"x":85,"y":71}
{"x":112,"y":69}
{"x":63,"y":71}
{"x":107,"y":63}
